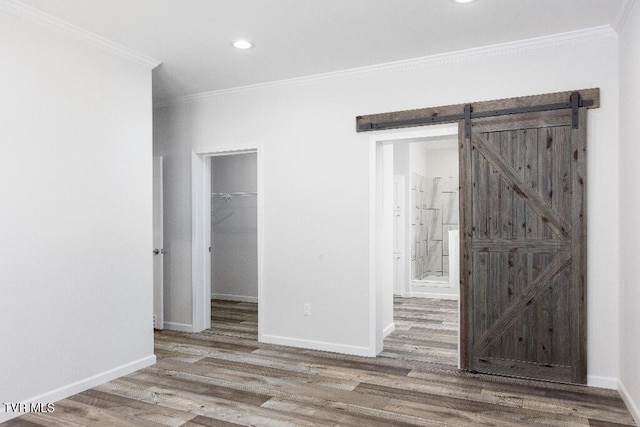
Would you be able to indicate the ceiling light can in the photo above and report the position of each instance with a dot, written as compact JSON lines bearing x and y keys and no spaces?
{"x":242,"y":44}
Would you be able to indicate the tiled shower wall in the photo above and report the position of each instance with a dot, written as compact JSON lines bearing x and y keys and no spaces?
{"x":435,"y":212}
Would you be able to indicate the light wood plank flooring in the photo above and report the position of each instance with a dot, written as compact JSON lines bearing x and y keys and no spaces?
{"x":224,"y":377}
{"x":426,"y":331}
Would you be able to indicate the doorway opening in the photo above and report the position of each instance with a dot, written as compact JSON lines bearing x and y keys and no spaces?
{"x":234,"y":227}
{"x":420,"y":169}
{"x":227,"y":231}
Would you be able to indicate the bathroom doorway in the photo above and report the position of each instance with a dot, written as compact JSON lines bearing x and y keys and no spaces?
{"x":425,"y":245}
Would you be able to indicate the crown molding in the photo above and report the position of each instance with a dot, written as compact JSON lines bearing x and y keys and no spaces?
{"x":29,"y":13}
{"x":623,"y":12}
{"x":594,"y":33}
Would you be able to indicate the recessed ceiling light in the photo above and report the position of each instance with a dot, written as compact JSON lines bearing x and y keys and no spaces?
{"x":464,"y":1}
{"x":242,"y":44}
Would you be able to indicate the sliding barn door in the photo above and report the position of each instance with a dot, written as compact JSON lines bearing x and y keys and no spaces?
{"x":524,"y":248}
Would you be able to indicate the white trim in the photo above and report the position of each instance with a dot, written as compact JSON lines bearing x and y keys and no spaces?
{"x":82,"y":385}
{"x":373,"y":170}
{"x":261,"y":228}
{"x":632,"y":406}
{"x":201,"y":232}
{"x":465,"y":55}
{"x":602,"y":382}
{"x":180,"y":327}
{"x":63,"y":27}
{"x":415,"y":134}
{"x":623,"y":13}
{"x":239,"y":298}
{"x":200,"y":243}
{"x":158,"y":242}
{"x":317,"y":345}
{"x":389,"y":329}
{"x":452,"y":297}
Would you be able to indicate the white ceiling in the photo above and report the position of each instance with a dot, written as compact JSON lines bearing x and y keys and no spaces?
{"x":296,"y":38}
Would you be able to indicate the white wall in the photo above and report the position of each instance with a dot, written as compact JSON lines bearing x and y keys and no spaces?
{"x":431,"y":162}
{"x":75,"y":221}
{"x":317,"y":181}
{"x":629,"y":209}
{"x":234,"y":261}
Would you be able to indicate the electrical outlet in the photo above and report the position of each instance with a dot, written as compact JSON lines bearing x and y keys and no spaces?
{"x":306,"y":309}
{"x":155,"y":319}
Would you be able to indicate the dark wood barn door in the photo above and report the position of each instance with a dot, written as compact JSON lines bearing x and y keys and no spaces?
{"x":523,"y":245}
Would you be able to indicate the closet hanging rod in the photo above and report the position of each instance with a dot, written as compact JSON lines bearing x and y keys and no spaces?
{"x":236,"y":193}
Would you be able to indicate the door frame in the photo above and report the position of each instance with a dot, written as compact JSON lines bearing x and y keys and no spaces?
{"x":158,"y":234}
{"x":381,"y":226}
{"x":201,"y":232}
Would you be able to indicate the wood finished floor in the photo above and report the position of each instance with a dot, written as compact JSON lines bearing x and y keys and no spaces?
{"x":426,"y":331}
{"x":224,"y":377}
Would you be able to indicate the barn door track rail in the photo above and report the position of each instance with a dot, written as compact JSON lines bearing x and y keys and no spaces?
{"x":574,"y":100}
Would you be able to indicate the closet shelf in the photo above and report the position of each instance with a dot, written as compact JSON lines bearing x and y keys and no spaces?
{"x":234,"y":194}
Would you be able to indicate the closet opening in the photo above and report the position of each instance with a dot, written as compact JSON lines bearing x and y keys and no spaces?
{"x":234,"y":234}
{"x":228,"y":233}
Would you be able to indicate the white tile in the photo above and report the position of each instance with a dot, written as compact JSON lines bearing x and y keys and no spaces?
{"x":434,"y":257}
{"x":434,"y":224}
{"x":434,"y":194}
{"x":450,"y":208}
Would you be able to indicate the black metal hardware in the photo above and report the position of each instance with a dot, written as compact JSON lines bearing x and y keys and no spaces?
{"x":467,"y":120}
{"x":574,"y":103}
{"x":412,"y":122}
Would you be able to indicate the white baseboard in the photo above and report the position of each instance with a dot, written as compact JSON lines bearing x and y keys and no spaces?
{"x":388,"y":330}
{"x":632,"y":406}
{"x":402,"y":294}
{"x":602,"y":382}
{"x":433,"y":295}
{"x":82,"y":385}
{"x":180,"y":327}
{"x":318,"y":345}
{"x":239,"y":298}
